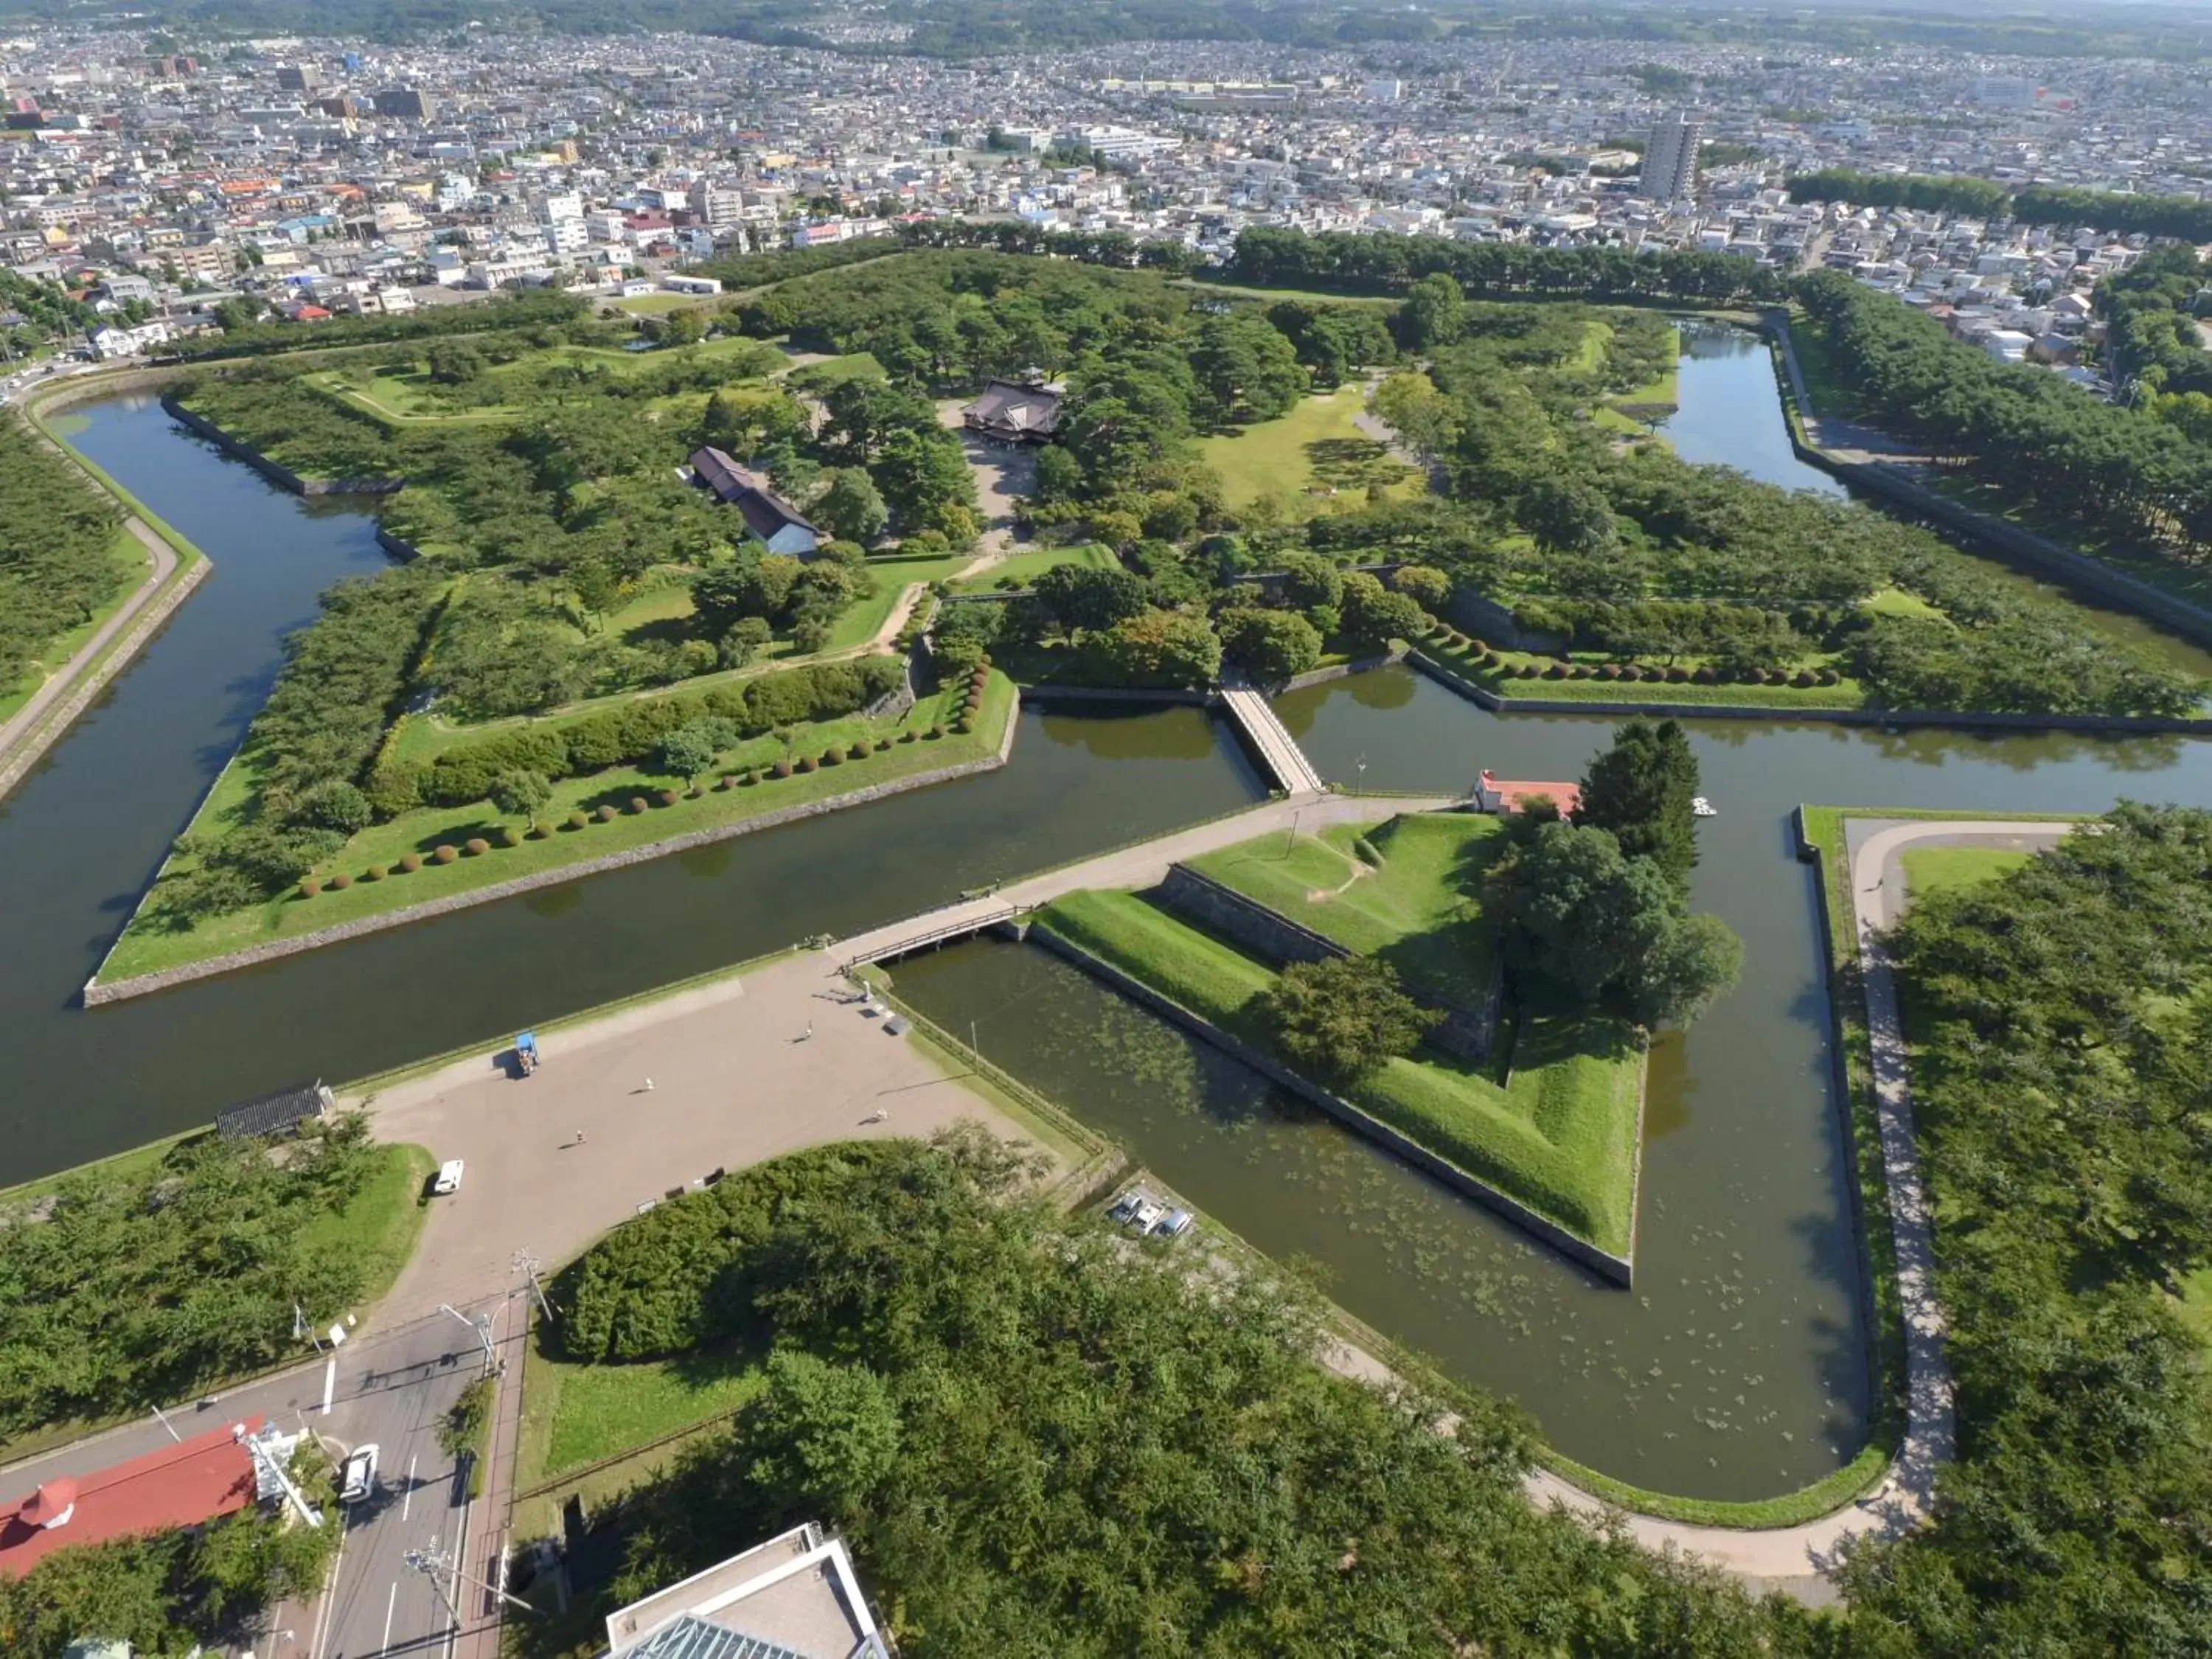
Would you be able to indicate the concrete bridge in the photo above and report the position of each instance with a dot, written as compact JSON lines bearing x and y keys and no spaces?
{"x":1278,"y":750}
{"x":1144,"y":865}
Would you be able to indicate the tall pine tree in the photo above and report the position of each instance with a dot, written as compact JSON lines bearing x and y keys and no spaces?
{"x":1641,"y":790}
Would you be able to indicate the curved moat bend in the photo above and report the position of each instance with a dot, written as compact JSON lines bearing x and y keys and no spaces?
{"x":1735,"y":1369}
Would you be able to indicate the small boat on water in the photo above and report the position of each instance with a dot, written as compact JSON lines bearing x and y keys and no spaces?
{"x":1701,"y":807}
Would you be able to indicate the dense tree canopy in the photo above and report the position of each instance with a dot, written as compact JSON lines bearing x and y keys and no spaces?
{"x":1036,"y":1440}
{"x":134,"y":1288}
{"x":2062,"y":1032}
{"x":2101,"y":466}
{"x":58,"y":562}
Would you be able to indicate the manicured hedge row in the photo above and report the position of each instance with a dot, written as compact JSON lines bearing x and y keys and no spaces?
{"x":616,"y":737}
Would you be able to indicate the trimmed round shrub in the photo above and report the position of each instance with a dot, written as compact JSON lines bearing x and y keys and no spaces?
{"x":693,"y":793}
{"x":1631,"y":673}
{"x":832,"y":757}
{"x":543,"y":830}
{"x":782,"y":768}
{"x":1705,"y":677}
{"x":727,"y":781}
{"x":1479,"y":648}
{"x":907,"y":735}
{"x":409,"y":863}
{"x":309,"y":886}
{"x":805,"y":763}
{"x":375,"y":872}
{"x":1803,"y":677}
{"x":670,"y":797}
{"x":859,"y":751}
{"x":1746,"y":677}
{"x":1608,"y":671}
{"x":341,"y":881}
{"x":1580,"y":671}
{"x":744,"y":780}
{"x":607,"y":813}
{"x":444,"y":852}
{"x":637,"y":803}
{"x":1677,"y":675}
{"x":936,"y":732}
{"x":1829,"y":676}
{"x":509,"y":836}
{"x":1556,"y":672}
{"x":578,"y":820}
{"x":476,"y":847}
{"x":882,"y":743}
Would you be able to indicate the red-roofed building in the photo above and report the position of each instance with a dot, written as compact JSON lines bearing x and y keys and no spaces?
{"x":185,"y":1484}
{"x":1493,"y":794}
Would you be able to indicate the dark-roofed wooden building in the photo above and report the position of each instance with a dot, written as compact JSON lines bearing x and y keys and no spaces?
{"x":1014,"y":413}
{"x":280,"y":1113}
{"x":766,"y":515}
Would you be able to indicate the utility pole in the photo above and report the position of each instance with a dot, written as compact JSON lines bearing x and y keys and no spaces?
{"x":267,"y":1465}
{"x":434,"y":1560}
{"x":526,"y":1265}
{"x":482,"y":1325}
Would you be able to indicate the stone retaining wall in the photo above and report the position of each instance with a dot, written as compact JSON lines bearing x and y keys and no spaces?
{"x":274,"y":471}
{"x":1616,"y":1269}
{"x":1341,"y":670}
{"x":96,"y":994}
{"x":2114,"y":724}
{"x":1464,"y":1033}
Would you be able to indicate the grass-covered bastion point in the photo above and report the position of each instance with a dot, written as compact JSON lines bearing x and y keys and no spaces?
{"x":609,"y":781}
{"x":1549,"y":1119}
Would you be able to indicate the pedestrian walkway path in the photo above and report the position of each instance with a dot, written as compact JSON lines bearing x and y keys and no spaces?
{"x":1140,"y":865}
{"x":1278,"y":751}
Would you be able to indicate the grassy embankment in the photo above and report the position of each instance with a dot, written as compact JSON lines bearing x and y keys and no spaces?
{"x":1401,"y":898}
{"x":1559,"y":1136}
{"x":1024,"y":567}
{"x":1499,"y":678}
{"x":146,"y":948}
{"x":409,"y":398}
{"x":133,"y":563}
{"x":1307,"y":457}
{"x":578,"y":1421}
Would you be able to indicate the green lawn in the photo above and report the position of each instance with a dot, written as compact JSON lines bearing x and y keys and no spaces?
{"x":1024,"y":567}
{"x":2197,"y":1304}
{"x":1305,"y":456}
{"x":656,"y":304}
{"x":379,"y":1227}
{"x":1846,"y":693}
{"x":132,"y":565}
{"x":577,"y":1414}
{"x":1934,"y":869}
{"x":147,"y":948}
{"x":1559,"y":1137}
{"x":1411,"y":908}
{"x":1896,"y":602}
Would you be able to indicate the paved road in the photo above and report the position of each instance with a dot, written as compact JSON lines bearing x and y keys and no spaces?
{"x":389,"y":1387}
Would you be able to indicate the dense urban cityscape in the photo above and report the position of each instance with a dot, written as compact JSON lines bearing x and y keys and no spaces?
{"x":312,"y":177}
{"x":942,"y":828}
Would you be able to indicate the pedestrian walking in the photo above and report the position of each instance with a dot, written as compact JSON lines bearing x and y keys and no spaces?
{"x":649,"y":1085}
{"x":804,"y":1034}
{"x":580,"y":1137}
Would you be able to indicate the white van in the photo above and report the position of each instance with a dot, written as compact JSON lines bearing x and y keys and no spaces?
{"x":449,"y":1177}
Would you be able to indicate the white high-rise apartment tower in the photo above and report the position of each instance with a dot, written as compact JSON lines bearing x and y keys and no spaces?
{"x":1670,"y":159}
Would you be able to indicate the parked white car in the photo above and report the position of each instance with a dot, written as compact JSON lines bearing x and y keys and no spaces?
{"x":357,"y":1476}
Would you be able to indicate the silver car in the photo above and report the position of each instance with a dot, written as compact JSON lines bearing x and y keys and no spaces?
{"x":357,"y":1478}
